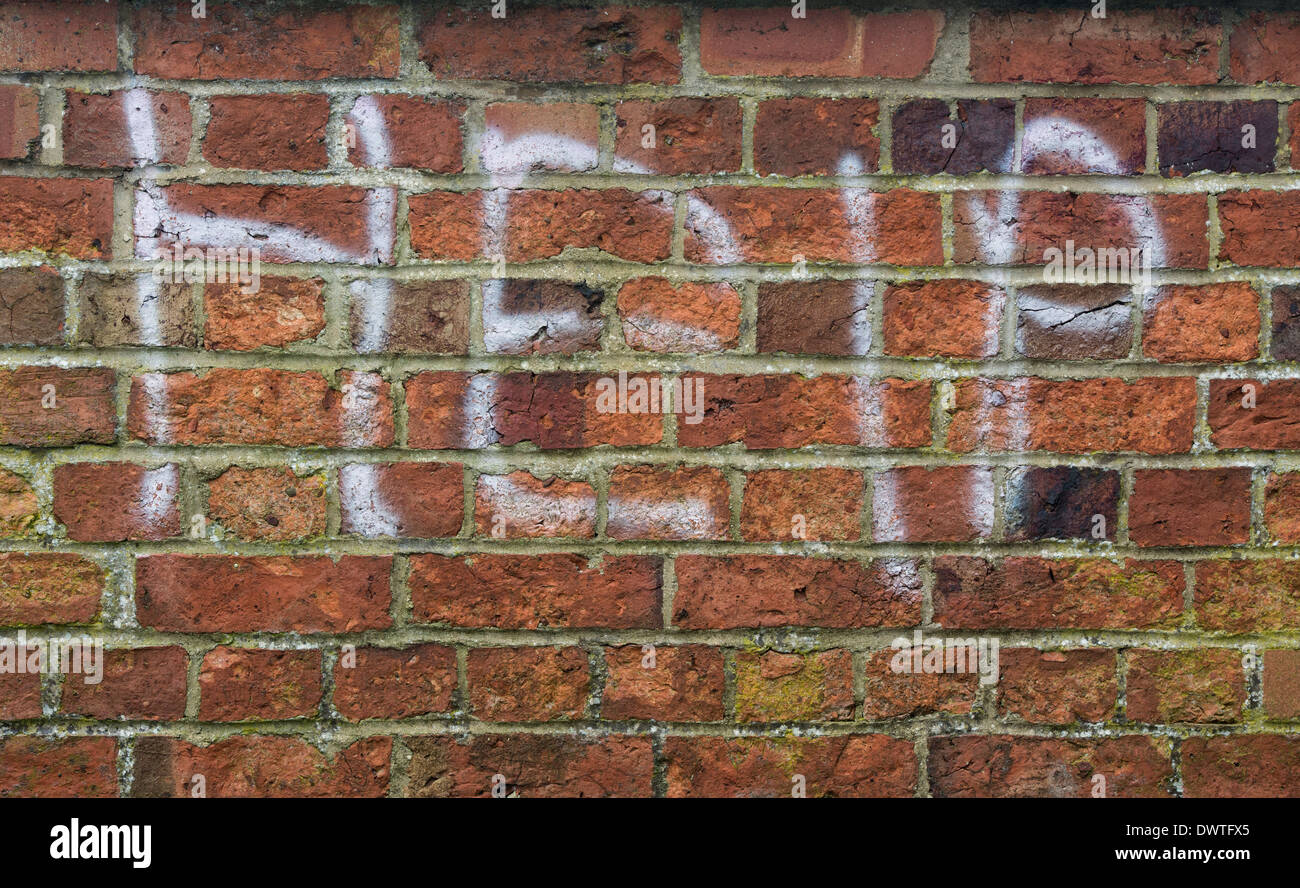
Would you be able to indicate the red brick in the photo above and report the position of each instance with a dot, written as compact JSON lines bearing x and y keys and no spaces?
{"x":218,"y":593}
{"x":140,"y":683}
{"x":395,"y":682}
{"x":80,"y":35}
{"x":233,"y":43}
{"x":67,"y":216}
{"x":97,"y":128}
{"x":1241,"y":766}
{"x":1255,"y":231}
{"x":825,"y":317}
{"x":238,"y":684}
{"x":31,"y":307}
{"x":272,"y":407}
{"x":263,"y":767}
{"x":530,"y":766}
{"x":1068,"y":322}
{"x":611,"y":45}
{"x":1293,"y":126}
{"x":268,"y":504}
{"x":20,"y":122}
{"x":826,"y":43}
{"x":774,"y":686}
{"x":1282,"y":684}
{"x":668,"y":504}
{"x":1190,"y":507}
{"x":267,"y":132}
{"x":522,"y":505}
{"x":331,"y":223}
{"x":1185,"y":686}
{"x":19,"y":507}
{"x":283,"y":311}
{"x":1154,"y":415}
{"x":421,"y":316}
{"x":1263,"y":49}
{"x":542,"y":224}
{"x":1118,"y":124}
{"x":1034,"y":767}
{"x":944,"y":318}
{"x":111,"y":502}
{"x":1040,"y":593}
{"x":20,"y":694}
{"x":904,"y":694}
{"x":759,"y":591}
{"x":402,"y":499}
{"x":940,"y":504}
{"x":802,"y":136}
{"x":541,"y":317}
{"x":1273,"y":423}
{"x":794,"y":411}
{"x":689,"y":136}
{"x":1047,"y":220}
{"x":1061,"y":502}
{"x":552,"y":410}
{"x":857,"y":766}
{"x":83,"y":411}
{"x":422,"y":133}
{"x":1248,"y":596}
{"x":74,"y":767}
{"x":1216,"y":322}
{"x":1282,"y":507}
{"x":774,"y":225}
{"x":657,"y":316}
{"x":1057,"y":687}
{"x":682,"y":683}
{"x":810,"y":504}
{"x":53,"y":587}
{"x":536,"y":591}
{"x":528,"y":683}
{"x":1178,"y":46}
{"x":509,"y":121}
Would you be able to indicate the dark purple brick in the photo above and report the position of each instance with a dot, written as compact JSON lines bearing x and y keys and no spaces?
{"x":1286,"y":323}
{"x":1059,"y":502}
{"x":1207,"y":137}
{"x":984,"y":131}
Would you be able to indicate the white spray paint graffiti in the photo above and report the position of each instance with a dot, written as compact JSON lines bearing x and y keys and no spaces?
{"x":508,"y":160}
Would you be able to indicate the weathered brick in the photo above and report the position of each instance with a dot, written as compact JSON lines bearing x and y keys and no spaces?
{"x":601,"y":45}
{"x":282,"y":312}
{"x":1065,"y":322}
{"x":508,"y":122}
{"x":541,"y":317}
{"x":127,"y":309}
{"x":1115,"y":129}
{"x":273,"y":407}
{"x":944,"y":318}
{"x":533,"y":765}
{"x":940,"y":504}
{"x":1217,"y":137}
{"x":53,"y":587}
{"x":815,"y":317}
{"x":1185,"y":686}
{"x":31,"y":307}
{"x":657,"y":316}
{"x":842,"y":127}
{"x":688,"y":135}
{"x":1248,"y":596}
{"x":267,"y":132}
{"x":811,"y":504}
{"x":402,"y":499}
{"x":1217,"y":322}
{"x":1243,"y":766}
{"x":98,"y":128}
{"x":536,"y":591}
{"x":261,"y":766}
{"x":755,"y":591}
{"x":1286,"y":322}
{"x":1189,"y":507}
{"x":1040,"y":593}
{"x":522,"y":505}
{"x":421,"y":133}
{"x":72,"y":767}
{"x":53,"y":407}
{"x":1179,"y":46}
{"x":980,"y":138}
{"x":1025,"y":767}
{"x":429,"y":317}
{"x":219,"y":593}
{"x":1057,"y":687}
{"x":394,"y":682}
{"x":912,"y":690}
{"x":1255,"y":228}
{"x":1261,"y":48}
{"x":232,"y":43}
{"x":80,"y":35}
{"x":268,"y":504}
{"x":1282,"y":684}
{"x":679,"y":683}
{"x":1249,"y":414}
{"x":668,"y":504}
{"x":1061,"y":502}
{"x":20,"y":123}
{"x":113,"y":501}
{"x":69,"y":216}
{"x":239,"y":684}
{"x":19,"y":507}
{"x":528,"y":683}
{"x":855,"y":766}
{"x":775,"y":686}
{"x":139,"y":683}
{"x":1282,"y":507}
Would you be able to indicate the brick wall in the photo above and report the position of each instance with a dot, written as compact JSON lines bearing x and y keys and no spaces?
{"x":395,"y":514}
